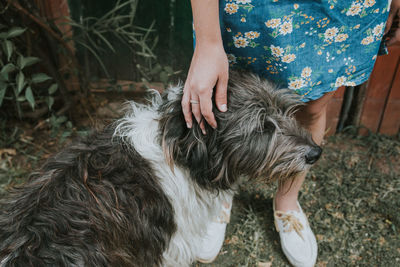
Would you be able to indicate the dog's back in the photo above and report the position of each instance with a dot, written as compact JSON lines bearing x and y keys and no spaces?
{"x":90,"y":205}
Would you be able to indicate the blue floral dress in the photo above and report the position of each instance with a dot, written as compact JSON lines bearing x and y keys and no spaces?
{"x":311,"y":47}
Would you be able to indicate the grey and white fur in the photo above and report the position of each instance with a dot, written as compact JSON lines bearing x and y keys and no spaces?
{"x":142,"y":191}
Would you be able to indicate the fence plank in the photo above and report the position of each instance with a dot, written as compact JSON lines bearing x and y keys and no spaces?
{"x":390,"y":123}
{"x":378,"y":89}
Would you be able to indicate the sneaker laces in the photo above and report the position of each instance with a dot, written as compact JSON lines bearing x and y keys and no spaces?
{"x":290,"y":223}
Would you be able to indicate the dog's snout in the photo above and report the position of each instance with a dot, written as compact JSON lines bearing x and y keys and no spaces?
{"x":313,"y":155}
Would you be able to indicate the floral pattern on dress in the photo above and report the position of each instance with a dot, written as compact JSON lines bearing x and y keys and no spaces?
{"x":311,"y":47}
{"x":363,"y":8}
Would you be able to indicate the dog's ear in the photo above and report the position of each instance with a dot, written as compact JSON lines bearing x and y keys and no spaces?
{"x":177,"y":140}
{"x":172,"y":130}
{"x":189,"y":148}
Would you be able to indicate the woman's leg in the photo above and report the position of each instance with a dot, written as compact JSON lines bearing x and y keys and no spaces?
{"x":312,"y":117}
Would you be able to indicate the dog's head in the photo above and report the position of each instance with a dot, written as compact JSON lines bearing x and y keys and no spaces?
{"x":258,"y":137}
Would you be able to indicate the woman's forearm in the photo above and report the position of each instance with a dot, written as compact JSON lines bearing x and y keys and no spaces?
{"x":206,"y":22}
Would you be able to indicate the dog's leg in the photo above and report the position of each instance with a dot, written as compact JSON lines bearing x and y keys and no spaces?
{"x":213,"y":239}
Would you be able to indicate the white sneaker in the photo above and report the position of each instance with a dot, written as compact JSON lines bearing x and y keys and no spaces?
{"x":214,"y":239}
{"x":297,"y":239}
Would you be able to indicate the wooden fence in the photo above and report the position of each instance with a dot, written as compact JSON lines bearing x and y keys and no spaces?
{"x":380,"y":108}
{"x":376,"y":106}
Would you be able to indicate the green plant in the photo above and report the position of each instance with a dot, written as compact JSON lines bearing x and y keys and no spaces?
{"x":19,"y":82}
{"x":94,"y":38}
{"x":35,"y":82}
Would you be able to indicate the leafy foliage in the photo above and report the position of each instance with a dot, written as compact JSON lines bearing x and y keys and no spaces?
{"x":95,"y":37}
{"x":36,"y":82}
{"x":18,"y":82}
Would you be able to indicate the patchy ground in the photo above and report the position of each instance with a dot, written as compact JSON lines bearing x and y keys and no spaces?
{"x":351,"y":196}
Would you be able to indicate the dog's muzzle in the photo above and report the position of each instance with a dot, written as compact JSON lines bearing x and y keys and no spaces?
{"x":313,"y":155}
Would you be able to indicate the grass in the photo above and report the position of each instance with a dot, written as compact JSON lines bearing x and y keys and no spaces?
{"x":12,"y":146}
{"x":351,"y":197}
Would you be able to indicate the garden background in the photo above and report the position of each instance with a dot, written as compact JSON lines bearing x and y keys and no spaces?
{"x":67,"y":67}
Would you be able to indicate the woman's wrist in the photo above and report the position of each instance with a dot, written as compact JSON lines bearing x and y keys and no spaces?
{"x":209,"y":42}
{"x":209,"y":45}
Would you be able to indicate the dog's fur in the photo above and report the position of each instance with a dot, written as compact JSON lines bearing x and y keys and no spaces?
{"x":142,"y":191}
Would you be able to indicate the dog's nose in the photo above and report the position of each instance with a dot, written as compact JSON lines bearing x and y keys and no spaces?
{"x":313,"y":155}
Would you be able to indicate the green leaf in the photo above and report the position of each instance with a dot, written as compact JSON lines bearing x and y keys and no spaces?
{"x":26,"y":61}
{"x":7,"y":68}
{"x":5,"y":71}
{"x":50,"y":101}
{"x":168,"y":69}
{"x":3,"y":85}
{"x":61,"y":120}
{"x":8,"y":48}
{"x":3,"y":77}
{"x":53,"y":88}
{"x":157,"y":68}
{"x":20,"y":80}
{"x":66,"y":134}
{"x":29,"y":97}
{"x":53,"y":120}
{"x":3,"y":89}
{"x":164,"y":77}
{"x":19,"y":61}
{"x":15,"y":31}
{"x":40,"y":77}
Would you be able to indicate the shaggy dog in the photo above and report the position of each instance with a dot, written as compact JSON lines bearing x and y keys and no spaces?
{"x":142,"y":191}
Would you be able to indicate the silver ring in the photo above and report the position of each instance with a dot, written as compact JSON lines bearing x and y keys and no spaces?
{"x":194,"y":101}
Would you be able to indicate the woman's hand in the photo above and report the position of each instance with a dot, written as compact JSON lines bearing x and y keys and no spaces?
{"x":209,"y":67}
{"x":393,"y":24}
{"x":208,"y":70}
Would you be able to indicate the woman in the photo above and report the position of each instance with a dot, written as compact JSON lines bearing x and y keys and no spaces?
{"x":311,"y":47}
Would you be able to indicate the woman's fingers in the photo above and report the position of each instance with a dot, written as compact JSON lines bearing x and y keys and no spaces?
{"x":206,"y":109}
{"x":186,"y":108}
{"x":195,"y":105}
{"x":199,"y":107}
{"x":220,"y":93}
{"x":194,"y":110}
